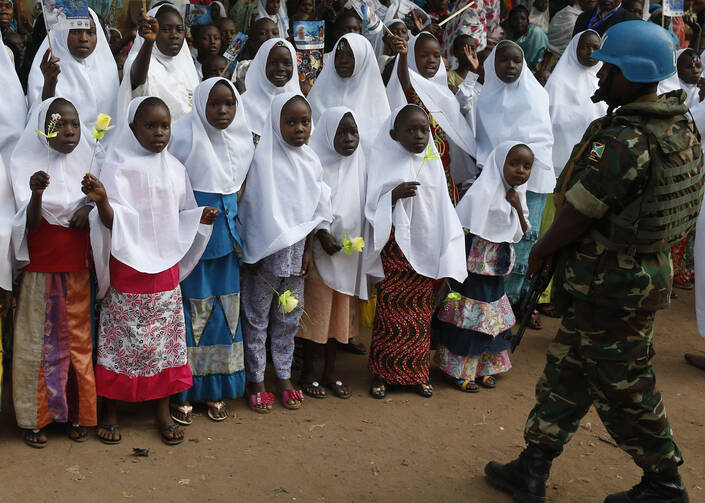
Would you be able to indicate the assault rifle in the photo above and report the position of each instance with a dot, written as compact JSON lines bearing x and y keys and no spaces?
{"x":530,"y":298}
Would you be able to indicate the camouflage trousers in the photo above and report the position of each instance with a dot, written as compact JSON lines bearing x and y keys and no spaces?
{"x":603,"y":358}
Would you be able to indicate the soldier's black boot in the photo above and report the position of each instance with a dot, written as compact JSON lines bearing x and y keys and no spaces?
{"x":525,"y":477}
{"x":654,"y":488}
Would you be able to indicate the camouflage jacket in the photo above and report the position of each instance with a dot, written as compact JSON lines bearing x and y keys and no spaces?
{"x":611,"y":169}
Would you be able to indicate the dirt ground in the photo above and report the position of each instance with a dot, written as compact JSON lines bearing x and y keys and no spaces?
{"x":405,"y":448}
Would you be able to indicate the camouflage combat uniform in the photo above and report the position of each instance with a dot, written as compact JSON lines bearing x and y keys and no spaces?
{"x":603,"y":350}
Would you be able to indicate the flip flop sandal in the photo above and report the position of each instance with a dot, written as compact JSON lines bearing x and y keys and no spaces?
{"x":37,"y":444}
{"x":292,"y":394}
{"x":217,"y":407}
{"x":467,"y":386}
{"x":488,"y":382}
{"x":262,"y":398}
{"x":378,"y":391}
{"x":172,"y":428}
{"x":424,"y":389}
{"x":77,"y":433}
{"x":535,"y":323}
{"x":339,"y":389}
{"x":110,"y":428}
{"x":314,"y":390}
{"x":183,"y":409}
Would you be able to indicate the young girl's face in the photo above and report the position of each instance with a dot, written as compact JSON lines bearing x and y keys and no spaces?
{"x":68,"y":127}
{"x":221,"y":106}
{"x":152,"y":127}
{"x":170,"y":38}
{"x":82,"y":43}
{"x":208,"y":41}
{"x":280,"y":67}
{"x":306,"y":7}
{"x":213,"y":66}
{"x":589,"y":43}
{"x":344,"y":60}
{"x":295,"y":122}
{"x":6,"y":13}
{"x":348,"y":24}
{"x":517,"y":165}
{"x":428,"y":56}
{"x":263,"y":29}
{"x":411,"y":129}
{"x":519,"y":23}
{"x":690,"y":68}
{"x":227,"y":31}
{"x":272,"y":7}
{"x":347,"y":137}
{"x":508,"y":61}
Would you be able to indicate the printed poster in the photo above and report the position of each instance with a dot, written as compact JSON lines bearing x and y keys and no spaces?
{"x":673,"y":8}
{"x":309,"y":35}
{"x":66,"y":14}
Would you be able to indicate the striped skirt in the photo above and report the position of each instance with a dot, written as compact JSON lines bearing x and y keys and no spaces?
{"x":401,"y":336}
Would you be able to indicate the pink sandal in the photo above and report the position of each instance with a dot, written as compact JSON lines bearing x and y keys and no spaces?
{"x":257,"y":400}
{"x":294,"y":395}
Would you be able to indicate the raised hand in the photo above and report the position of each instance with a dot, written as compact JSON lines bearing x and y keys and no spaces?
{"x":147,"y":27}
{"x":38,"y":182}
{"x":49,"y":67}
{"x":472,"y":58}
{"x":91,"y":187}
{"x":404,"y":190}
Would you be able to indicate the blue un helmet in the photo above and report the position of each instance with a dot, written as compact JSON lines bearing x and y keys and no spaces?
{"x":643,"y":51}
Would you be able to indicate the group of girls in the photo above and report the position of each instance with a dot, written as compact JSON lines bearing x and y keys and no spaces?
{"x":213,"y":220}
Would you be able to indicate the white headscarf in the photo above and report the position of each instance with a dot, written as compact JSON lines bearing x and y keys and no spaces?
{"x":63,"y":196}
{"x":157,"y":221}
{"x":91,"y":84}
{"x":363,"y":91}
{"x":13,"y":112}
{"x":517,"y":111}
{"x":286,"y":197}
{"x":699,"y":254}
{"x":569,"y":88}
{"x":346,"y":177}
{"x":217,"y":160}
{"x":7,"y":212}
{"x":484,"y":210}
{"x":426,"y":227}
{"x":436,"y":96}
{"x":674,"y":83}
{"x":260,"y":91}
{"x":172,"y":79}
{"x":281,"y":18}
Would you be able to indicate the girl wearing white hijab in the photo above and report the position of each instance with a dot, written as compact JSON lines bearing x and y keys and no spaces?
{"x":88,"y":75}
{"x":417,"y":238}
{"x":353,"y":81}
{"x":420,"y":78}
{"x":284,"y":201}
{"x":474,"y":337}
{"x":147,"y":234}
{"x":263,"y":85}
{"x":214,"y":143}
{"x":160,"y":64}
{"x":276,"y":11}
{"x":53,"y":346}
{"x":514,"y":106}
{"x":337,"y":280}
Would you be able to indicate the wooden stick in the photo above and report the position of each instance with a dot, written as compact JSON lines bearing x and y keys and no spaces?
{"x":472,"y":4}
{"x":389,"y":32}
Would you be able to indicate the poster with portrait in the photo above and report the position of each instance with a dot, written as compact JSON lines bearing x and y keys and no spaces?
{"x":309,"y":35}
{"x":66,"y":14}
{"x":673,"y":8}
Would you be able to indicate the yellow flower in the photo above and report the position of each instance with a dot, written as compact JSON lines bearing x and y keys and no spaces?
{"x":102,"y":122}
{"x":288,"y":302}
{"x":356,"y":244}
{"x":453,"y":297}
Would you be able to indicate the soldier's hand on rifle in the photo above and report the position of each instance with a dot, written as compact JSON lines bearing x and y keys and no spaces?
{"x":536,"y":262}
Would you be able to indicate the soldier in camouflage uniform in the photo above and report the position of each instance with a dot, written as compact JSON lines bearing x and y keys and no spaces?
{"x":632,"y":187}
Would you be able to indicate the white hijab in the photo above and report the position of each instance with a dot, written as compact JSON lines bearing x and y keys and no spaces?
{"x":63,"y":196}
{"x":91,"y":84}
{"x":436,"y":96}
{"x":173,"y":79}
{"x":281,"y":18}
{"x":363,"y":91}
{"x":484,"y":210}
{"x":346,"y":176}
{"x":260,"y":91}
{"x":517,"y":111}
{"x":286,"y":197}
{"x":700,"y":270}
{"x":13,"y":112}
{"x":217,"y":160}
{"x":426,"y":227}
{"x":157,"y":221}
{"x":569,"y":88}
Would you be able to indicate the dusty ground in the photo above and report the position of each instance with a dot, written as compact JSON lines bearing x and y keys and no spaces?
{"x":406,"y":448}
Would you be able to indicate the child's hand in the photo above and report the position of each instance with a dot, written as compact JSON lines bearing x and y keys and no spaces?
{"x":91,"y":187}
{"x":399,"y":45}
{"x":209,"y":215}
{"x":513,"y":198}
{"x":79,"y":220}
{"x":472,"y":58}
{"x":38,"y":183}
{"x":328,"y":242}
{"x":147,"y":27}
{"x":403,"y":190}
{"x":417,"y":20}
{"x":307,"y":262}
{"x":49,"y":67}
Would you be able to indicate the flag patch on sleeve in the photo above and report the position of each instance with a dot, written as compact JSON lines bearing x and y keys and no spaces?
{"x":596,"y":151}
